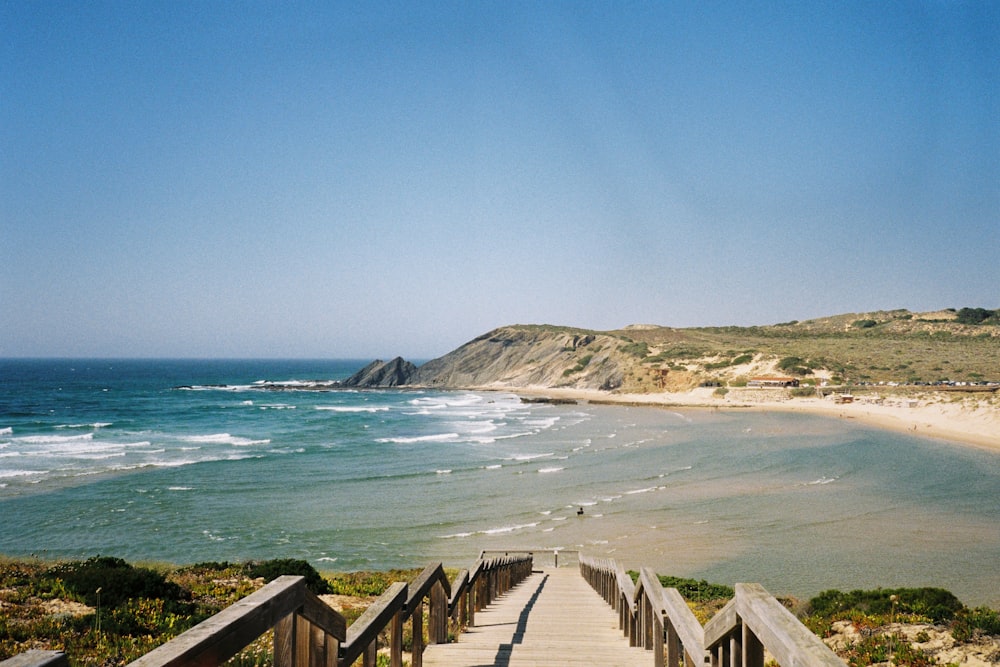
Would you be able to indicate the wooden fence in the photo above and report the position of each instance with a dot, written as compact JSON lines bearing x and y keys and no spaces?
{"x":751,"y":623}
{"x":308,"y":633}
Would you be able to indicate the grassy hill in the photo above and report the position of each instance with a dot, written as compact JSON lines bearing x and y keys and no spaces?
{"x":883,"y":346}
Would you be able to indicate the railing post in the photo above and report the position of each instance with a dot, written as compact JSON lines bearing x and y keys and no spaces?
{"x":657,"y":640}
{"x":736,"y":646}
{"x":396,"y":641}
{"x":673,"y":645}
{"x":417,"y":625}
{"x":438,"y":630}
{"x":284,"y":642}
{"x":753,"y":649}
{"x":370,"y":657}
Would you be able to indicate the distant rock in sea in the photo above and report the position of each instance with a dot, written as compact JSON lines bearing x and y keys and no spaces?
{"x":378,"y":373}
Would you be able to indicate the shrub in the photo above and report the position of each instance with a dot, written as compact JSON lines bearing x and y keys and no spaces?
{"x":117,"y":581}
{"x":695,"y":590}
{"x":968,"y":621}
{"x":270,"y":570}
{"x":742,"y":359}
{"x":864,"y":324}
{"x":935,"y":603}
{"x":794,"y":365}
{"x":974,"y":315}
{"x":692,"y":589}
{"x":640,"y":350}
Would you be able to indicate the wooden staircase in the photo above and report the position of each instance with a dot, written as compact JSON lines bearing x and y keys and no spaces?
{"x":553,"y":617}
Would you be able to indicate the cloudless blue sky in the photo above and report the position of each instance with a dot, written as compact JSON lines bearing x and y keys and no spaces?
{"x":329,"y":179}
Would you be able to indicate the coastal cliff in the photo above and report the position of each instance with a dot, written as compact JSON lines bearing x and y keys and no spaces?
{"x":525,"y":356}
{"x":897,"y":347}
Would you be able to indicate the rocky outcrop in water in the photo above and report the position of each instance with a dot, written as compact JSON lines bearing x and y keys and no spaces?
{"x":378,"y":373}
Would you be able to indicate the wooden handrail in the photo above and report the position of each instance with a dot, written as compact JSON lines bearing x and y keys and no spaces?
{"x":754,"y":621}
{"x":37,"y":658}
{"x":365,"y":630}
{"x":222,"y":636}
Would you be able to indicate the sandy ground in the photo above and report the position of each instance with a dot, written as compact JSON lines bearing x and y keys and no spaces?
{"x":971,"y":419}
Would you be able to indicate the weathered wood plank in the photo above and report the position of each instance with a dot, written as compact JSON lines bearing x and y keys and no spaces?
{"x":365,"y":629}
{"x":37,"y":658}
{"x":683,"y":620}
{"x":222,"y":636}
{"x":790,"y":642}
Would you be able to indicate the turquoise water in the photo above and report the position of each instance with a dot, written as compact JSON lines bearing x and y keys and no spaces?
{"x":188,"y":461}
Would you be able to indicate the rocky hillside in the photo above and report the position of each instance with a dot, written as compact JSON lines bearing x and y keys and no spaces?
{"x":894,"y":346}
{"x":524,"y":356}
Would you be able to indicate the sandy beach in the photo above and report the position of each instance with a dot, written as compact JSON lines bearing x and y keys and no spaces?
{"x":970,"y":419}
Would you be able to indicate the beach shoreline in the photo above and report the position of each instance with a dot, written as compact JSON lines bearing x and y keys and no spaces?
{"x":965,"y":419}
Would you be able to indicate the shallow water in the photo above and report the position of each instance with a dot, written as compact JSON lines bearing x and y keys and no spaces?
{"x":108,"y":457}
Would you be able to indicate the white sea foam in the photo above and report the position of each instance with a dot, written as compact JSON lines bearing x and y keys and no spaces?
{"x":439,"y":437}
{"x":4,"y":474}
{"x":545,"y":470}
{"x":52,"y":439}
{"x":224,"y":439}
{"x":327,"y":559}
{"x":7,"y":430}
{"x":353,"y":408}
{"x":512,"y":436}
{"x":495,"y":466}
{"x":645,"y":490}
{"x":180,"y":488}
{"x":529,"y":457}
{"x":508,"y":529}
{"x":443,"y":472}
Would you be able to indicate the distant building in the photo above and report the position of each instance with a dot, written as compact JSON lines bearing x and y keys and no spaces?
{"x":773,"y":382}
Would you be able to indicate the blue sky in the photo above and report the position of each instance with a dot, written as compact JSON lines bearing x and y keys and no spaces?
{"x":264,"y":179}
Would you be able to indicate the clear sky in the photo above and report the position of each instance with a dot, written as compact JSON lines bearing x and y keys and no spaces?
{"x":331,"y":179}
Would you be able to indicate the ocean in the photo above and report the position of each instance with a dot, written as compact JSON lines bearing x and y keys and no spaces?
{"x":192,"y":461}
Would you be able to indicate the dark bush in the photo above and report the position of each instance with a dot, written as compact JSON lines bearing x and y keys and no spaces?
{"x":974,"y":315}
{"x":117,"y":581}
{"x":270,"y":570}
{"x":692,"y":589}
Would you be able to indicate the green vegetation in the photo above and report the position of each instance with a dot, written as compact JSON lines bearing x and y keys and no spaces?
{"x":794,"y":365}
{"x":105,"y":612}
{"x":580,"y":365}
{"x":846,"y":351}
{"x":978,"y":316}
{"x":936,"y":604}
{"x":640,"y":349}
{"x":870,"y":610}
{"x":864,"y":324}
{"x":269,"y":570}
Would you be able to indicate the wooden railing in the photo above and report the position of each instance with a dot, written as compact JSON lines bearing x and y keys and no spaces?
{"x":540,"y":557}
{"x":308,"y":633}
{"x":751,"y":623}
